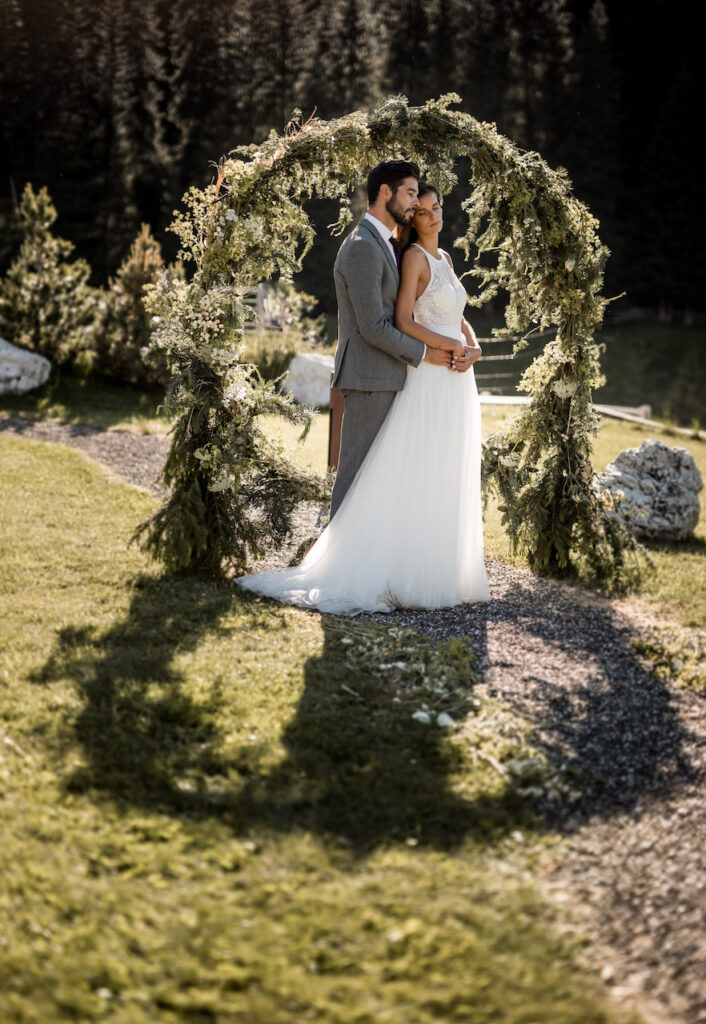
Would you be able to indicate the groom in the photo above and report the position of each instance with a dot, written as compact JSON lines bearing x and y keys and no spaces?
{"x":372,"y":354}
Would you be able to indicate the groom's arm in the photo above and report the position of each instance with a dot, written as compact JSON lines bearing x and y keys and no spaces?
{"x":362,"y":271}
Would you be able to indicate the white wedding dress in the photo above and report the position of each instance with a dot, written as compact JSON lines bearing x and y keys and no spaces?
{"x":409,"y":531}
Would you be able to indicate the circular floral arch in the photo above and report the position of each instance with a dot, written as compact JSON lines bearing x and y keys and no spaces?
{"x":232,"y":491}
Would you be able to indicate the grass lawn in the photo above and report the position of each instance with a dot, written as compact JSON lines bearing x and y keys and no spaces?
{"x":217,"y":809}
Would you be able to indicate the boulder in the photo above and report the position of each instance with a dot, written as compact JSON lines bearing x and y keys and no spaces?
{"x":21,"y":370}
{"x":655,"y":489}
{"x":309,"y":379}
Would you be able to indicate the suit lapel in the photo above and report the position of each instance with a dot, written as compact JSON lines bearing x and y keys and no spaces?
{"x":367,"y":226}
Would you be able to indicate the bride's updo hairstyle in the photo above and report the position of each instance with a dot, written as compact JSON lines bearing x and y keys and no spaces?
{"x":409,"y":234}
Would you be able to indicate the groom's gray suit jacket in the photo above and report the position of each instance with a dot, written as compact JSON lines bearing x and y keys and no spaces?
{"x":372,"y":355}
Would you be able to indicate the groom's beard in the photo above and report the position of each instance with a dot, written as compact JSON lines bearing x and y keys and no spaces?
{"x":395,"y":208}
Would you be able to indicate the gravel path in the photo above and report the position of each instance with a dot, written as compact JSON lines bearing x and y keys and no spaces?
{"x":631,"y":872}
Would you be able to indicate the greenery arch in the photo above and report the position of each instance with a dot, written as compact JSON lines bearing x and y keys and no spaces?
{"x":232,"y":491}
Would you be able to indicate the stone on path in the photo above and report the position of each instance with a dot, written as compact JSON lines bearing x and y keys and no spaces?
{"x":309,"y":379}
{"x":21,"y":370}
{"x":660,"y":490}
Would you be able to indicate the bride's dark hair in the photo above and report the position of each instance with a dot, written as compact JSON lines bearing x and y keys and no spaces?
{"x":409,"y":234}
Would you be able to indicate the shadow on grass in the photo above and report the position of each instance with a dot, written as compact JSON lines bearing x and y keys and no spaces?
{"x":360,"y":770}
{"x":357,"y":768}
{"x":139,"y":728}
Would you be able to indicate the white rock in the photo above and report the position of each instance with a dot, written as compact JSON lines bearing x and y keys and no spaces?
{"x":21,"y":370}
{"x":445,"y":721}
{"x":661,"y":488}
{"x":309,"y":379}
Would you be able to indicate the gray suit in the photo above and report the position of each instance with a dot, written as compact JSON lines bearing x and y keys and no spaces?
{"x":372,"y":355}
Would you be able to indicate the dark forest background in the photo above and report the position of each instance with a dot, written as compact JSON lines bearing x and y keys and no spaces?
{"x":118,"y":106}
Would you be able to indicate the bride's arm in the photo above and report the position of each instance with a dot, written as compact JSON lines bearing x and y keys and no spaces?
{"x":413,"y":264}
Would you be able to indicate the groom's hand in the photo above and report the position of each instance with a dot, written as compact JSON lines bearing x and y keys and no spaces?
{"x":437,"y":357}
{"x":471,"y":355}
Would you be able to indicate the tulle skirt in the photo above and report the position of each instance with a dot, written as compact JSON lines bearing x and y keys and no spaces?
{"x":409,"y":532}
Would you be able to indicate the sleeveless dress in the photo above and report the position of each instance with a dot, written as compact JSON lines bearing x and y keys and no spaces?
{"x":409,"y":531}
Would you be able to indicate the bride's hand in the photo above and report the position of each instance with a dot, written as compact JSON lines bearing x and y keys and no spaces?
{"x":471,"y":355}
{"x":456,"y":348}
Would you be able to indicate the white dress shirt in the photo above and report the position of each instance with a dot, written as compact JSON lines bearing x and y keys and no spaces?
{"x":385,"y":234}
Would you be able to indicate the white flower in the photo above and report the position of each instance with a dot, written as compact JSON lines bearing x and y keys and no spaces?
{"x":570,"y":263}
{"x":565,"y":387}
{"x":221,"y":482}
{"x":231,"y":215}
{"x":422,"y":717}
{"x":235,"y":392}
{"x":444,"y":721}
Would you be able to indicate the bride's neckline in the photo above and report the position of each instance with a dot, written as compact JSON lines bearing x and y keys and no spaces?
{"x":437,"y":258}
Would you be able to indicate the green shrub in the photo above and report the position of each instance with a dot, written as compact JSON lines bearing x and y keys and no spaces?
{"x":46,"y":304}
{"x":271,"y":352}
{"x":125,"y":325}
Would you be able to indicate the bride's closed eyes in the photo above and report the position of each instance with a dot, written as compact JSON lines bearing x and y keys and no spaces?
{"x":422,"y":211}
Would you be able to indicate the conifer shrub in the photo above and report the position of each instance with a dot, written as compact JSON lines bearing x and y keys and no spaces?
{"x":46,"y":303}
{"x":126,"y":324}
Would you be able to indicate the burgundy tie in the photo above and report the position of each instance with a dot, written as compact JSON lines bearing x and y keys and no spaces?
{"x":398,"y":251}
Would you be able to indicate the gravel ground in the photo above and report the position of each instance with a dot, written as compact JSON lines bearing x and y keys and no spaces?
{"x":631,"y":872}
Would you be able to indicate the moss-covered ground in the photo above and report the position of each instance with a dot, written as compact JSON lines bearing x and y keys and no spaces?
{"x":216,"y":809}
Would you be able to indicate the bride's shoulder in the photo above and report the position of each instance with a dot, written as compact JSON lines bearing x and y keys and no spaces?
{"x":447,"y":257}
{"x":414,"y":261}
{"x":412,"y":252}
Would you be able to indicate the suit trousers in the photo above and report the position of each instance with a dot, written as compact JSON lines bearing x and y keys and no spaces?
{"x":364,"y":412}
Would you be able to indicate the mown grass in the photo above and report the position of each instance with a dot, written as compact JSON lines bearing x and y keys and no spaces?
{"x":214,"y":810}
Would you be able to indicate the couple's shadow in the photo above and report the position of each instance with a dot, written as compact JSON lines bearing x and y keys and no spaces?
{"x":356,"y":767}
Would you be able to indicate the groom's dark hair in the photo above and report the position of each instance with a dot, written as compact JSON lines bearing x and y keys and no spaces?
{"x":392,"y":173}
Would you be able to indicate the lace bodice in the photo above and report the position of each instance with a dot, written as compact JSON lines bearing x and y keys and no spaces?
{"x":440,"y":306}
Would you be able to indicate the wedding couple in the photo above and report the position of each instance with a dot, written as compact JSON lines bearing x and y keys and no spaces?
{"x":406,"y":527}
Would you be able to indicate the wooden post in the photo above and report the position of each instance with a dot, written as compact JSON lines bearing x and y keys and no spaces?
{"x":334,"y":425}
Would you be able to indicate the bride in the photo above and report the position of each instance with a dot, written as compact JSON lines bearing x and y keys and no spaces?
{"x":409,"y":531}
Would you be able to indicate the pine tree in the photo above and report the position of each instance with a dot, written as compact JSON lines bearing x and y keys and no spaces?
{"x":15,"y":92}
{"x":140,"y":109}
{"x":407,"y":49}
{"x":347,"y":64}
{"x":668,"y":218}
{"x":200,"y":90}
{"x":281,"y":56}
{"x":589,"y":141}
{"x":539,"y":73}
{"x":46,"y":304}
{"x":124,"y":333}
